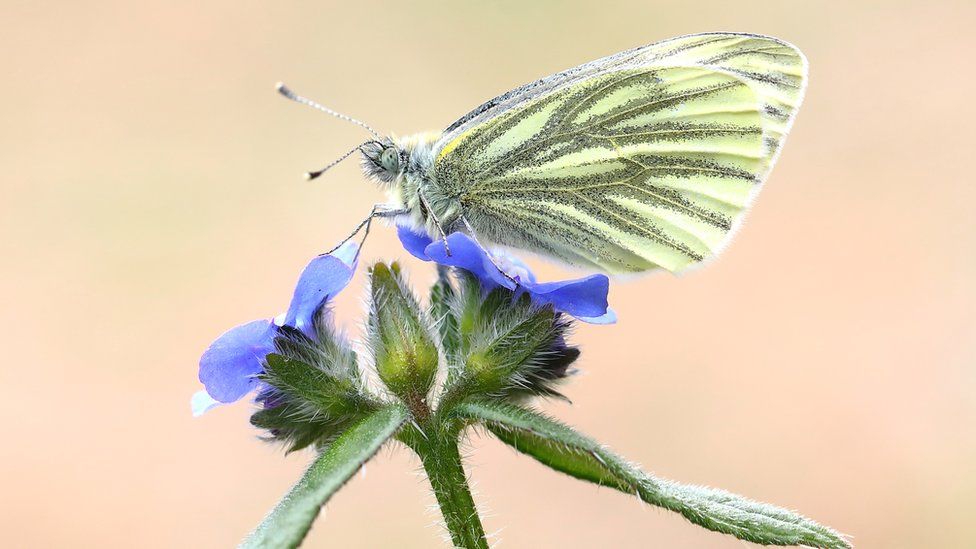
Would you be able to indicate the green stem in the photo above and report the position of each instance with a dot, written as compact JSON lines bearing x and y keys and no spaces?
{"x":442,"y":462}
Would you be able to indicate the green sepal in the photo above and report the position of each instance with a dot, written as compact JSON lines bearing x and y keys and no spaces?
{"x":309,"y":405}
{"x":288,"y":523}
{"x":287,"y":424}
{"x":326,"y":394}
{"x":563,"y":449}
{"x":509,"y":346}
{"x":328,"y":351}
{"x":399,"y":333}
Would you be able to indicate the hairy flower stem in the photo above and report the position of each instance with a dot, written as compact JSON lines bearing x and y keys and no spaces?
{"x":442,"y":462}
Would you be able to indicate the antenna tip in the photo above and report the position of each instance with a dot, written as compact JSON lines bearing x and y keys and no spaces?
{"x":311,"y":175}
{"x":281,"y":88}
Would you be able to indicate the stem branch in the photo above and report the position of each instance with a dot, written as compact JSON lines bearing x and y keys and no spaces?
{"x":442,"y":462}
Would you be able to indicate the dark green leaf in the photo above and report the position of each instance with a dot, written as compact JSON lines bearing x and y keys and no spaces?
{"x":565,"y":450}
{"x":290,"y":520}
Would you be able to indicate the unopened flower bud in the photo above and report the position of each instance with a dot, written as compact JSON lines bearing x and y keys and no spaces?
{"x":406,"y":355}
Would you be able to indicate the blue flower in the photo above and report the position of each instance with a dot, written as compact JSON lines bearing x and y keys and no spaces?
{"x":230,"y":366}
{"x":583,"y":298}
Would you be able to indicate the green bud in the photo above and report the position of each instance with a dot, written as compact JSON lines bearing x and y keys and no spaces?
{"x":510,"y":346}
{"x":406,"y":355}
{"x":511,"y":334}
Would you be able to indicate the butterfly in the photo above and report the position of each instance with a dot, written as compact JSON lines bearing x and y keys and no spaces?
{"x":646,"y":159}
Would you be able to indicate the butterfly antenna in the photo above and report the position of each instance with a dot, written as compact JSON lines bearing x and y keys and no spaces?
{"x":312,"y":175}
{"x":284,"y":90}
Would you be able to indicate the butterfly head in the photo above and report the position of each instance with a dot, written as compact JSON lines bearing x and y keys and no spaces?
{"x":383,"y":160}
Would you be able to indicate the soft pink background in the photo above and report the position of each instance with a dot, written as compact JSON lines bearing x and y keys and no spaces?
{"x":151,"y":198}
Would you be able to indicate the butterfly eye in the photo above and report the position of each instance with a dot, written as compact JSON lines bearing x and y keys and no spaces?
{"x":390,"y":159}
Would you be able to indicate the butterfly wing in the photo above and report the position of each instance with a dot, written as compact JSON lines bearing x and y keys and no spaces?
{"x":640,"y":160}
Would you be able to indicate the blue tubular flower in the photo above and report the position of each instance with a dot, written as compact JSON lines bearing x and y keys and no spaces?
{"x":229,"y":367}
{"x":583,"y":298}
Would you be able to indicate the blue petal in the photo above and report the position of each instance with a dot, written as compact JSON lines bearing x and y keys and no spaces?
{"x":229,"y":366}
{"x":323,"y":278}
{"x":414,"y":242}
{"x":200,"y":402}
{"x":610,"y":317}
{"x":581,"y":298}
{"x":584,"y":298}
{"x":348,"y":253}
{"x":468,"y":255}
{"x":515,"y":267}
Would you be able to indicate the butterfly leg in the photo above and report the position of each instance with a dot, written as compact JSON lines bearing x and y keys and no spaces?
{"x":379,"y":210}
{"x":437,"y":223}
{"x":474,"y":236}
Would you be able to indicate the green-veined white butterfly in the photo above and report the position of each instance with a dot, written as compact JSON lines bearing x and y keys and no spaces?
{"x":645,"y":159}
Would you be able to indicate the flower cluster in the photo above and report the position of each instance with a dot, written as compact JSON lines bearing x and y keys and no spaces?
{"x":498,"y":336}
{"x":235,"y":362}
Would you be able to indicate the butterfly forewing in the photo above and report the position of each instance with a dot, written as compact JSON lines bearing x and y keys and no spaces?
{"x":641,"y":160}
{"x":775,"y":69}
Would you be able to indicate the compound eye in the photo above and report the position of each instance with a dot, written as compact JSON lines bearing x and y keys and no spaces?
{"x":390,"y":159}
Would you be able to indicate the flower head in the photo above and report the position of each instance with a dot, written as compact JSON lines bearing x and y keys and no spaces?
{"x":230,"y":367}
{"x":583,"y":298}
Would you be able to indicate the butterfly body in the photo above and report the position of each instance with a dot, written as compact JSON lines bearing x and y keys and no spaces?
{"x":642,"y":160}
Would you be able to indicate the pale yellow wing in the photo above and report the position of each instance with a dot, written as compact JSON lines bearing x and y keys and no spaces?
{"x":645,"y":159}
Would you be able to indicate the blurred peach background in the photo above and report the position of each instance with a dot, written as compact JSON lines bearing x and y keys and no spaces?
{"x":152,"y":198}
